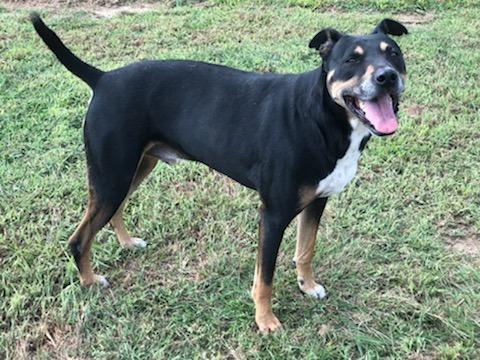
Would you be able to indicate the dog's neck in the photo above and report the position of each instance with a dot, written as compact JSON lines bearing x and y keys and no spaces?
{"x":328,"y":131}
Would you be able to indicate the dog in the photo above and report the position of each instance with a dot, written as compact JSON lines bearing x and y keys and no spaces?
{"x":294,"y":138}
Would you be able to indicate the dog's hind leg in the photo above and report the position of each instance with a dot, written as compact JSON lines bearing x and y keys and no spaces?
{"x":145,"y":167}
{"x":112,"y":168}
{"x":95,"y":217}
{"x":307,"y":227}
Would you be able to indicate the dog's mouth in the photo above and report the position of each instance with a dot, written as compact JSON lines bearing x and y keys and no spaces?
{"x":378,"y":114}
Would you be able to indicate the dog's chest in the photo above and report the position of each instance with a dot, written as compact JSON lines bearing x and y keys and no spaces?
{"x":345,"y":167}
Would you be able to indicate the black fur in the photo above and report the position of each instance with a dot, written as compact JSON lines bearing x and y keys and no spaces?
{"x":392,"y":27}
{"x":324,"y":41}
{"x":84,"y":71}
{"x":273,"y":133}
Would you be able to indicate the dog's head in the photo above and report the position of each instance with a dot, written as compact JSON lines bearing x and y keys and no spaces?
{"x":365,"y":74}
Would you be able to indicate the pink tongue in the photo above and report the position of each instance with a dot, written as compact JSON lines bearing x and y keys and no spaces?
{"x":380,"y":114}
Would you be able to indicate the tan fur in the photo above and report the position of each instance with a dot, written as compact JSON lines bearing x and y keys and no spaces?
{"x":383,"y":46}
{"x":329,"y":75}
{"x":83,"y":236}
{"x":95,"y":218}
{"x":262,"y":295}
{"x":306,"y":234}
{"x":335,"y":89}
{"x":368,"y":72}
{"x":146,"y":165}
{"x":306,"y":195}
{"x":358,"y":50}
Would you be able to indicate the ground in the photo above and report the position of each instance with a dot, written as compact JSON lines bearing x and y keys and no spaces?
{"x":398,"y":251}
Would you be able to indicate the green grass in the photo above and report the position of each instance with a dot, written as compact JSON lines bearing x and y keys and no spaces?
{"x":397,"y":251}
{"x":383,"y":5}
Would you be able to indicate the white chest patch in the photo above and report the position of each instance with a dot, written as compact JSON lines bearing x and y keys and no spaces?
{"x":346,"y":167}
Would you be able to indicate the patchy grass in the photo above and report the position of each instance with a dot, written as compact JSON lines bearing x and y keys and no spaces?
{"x":391,"y":250}
{"x":383,"y":5}
{"x":368,"y":5}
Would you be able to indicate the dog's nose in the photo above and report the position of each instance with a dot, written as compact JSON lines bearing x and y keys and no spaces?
{"x":386,"y":77}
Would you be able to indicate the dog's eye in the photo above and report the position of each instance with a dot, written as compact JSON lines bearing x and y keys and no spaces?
{"x":393,"y":52}
{"x":352,"y":60}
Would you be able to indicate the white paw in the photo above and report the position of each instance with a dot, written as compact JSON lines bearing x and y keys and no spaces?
{"x":102,"y":281}
{"x":317,"y":292}
{"x":134,"y":243}
{"x":140,"y":243}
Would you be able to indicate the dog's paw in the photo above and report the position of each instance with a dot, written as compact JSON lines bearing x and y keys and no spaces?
{"x":135,"y":243}
{"x":318,"y":292}
{"x":102,"y":281}
{"x":94,"y":280}
{"x":139,"y":243}
{"x":268,"y":323}
{"x":311,"y":288}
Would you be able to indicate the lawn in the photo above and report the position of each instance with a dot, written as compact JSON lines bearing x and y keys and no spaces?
{"x":398,"y":251}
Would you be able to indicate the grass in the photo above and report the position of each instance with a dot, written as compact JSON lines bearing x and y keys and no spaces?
{"x":364,"y":5}
{"x":397,"y":251}
{"x":383,"y":5}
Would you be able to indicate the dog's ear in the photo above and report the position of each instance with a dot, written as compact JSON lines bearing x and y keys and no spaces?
{"x":389,"y":26}
{"x":324,"y":41}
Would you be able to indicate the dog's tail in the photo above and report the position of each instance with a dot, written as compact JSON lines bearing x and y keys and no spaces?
{"x":86,"y":72}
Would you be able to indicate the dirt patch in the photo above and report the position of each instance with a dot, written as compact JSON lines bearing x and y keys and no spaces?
{"x":421,"y":357}
{"x":415,"y":111}
{"x":462,"y":237}
{"x":70,"y":3}
{"x":58,"y":341}
{"x":408,"y":18}
{"x":108,"y":12}
{"x":468,"y":245}
{"x":100,"y":8}
{"x":61,"y":338}
{"x":415,"y":19}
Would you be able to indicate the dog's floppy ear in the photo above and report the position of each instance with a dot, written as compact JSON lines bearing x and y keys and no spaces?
{"x":324,"y":41}
{"x":389,"y":26}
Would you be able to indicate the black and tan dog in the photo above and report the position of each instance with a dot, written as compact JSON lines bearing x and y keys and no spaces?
{"x":296,"y":139}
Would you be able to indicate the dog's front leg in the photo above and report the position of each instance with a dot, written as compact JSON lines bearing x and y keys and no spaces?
{"x":307,"y":227}
{"x":272,"y":226}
